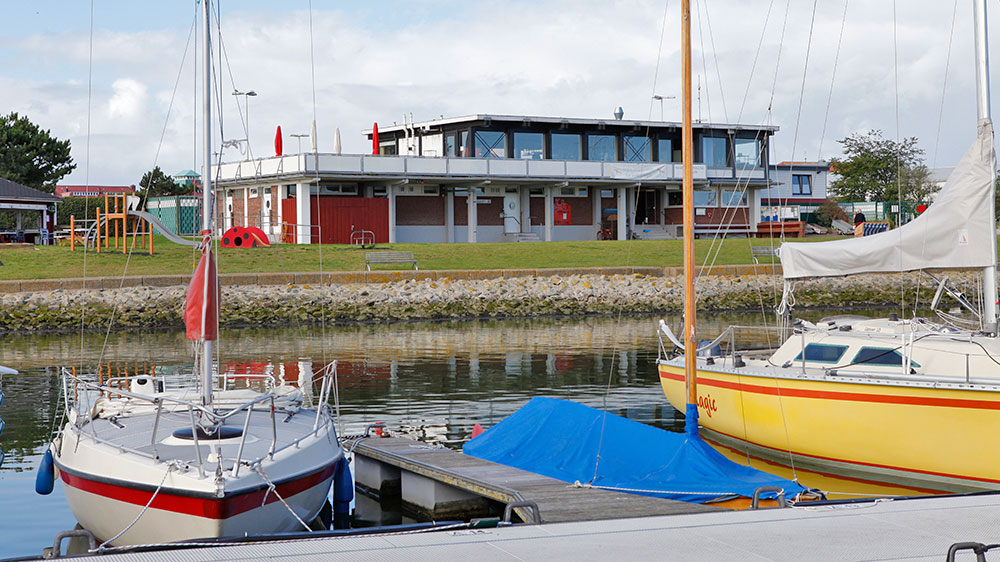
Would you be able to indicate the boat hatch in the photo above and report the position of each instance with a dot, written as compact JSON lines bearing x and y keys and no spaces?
{"x":222,"y":432}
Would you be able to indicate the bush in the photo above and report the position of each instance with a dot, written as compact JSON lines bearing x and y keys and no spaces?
{"x":830,"y":211}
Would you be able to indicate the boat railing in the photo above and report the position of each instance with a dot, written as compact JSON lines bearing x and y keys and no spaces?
{"x":84,"y":395}
{"x":734,"y":339}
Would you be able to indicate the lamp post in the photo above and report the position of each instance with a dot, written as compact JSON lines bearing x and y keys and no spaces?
{"x":300,"y":137}
{"x":246,"y":105}
{"x":661,"y":98}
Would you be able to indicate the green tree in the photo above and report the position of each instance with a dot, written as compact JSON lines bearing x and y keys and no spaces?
{"x":31,"y":156}
{"x":155,"y":183}
{"x":877,"y":169}
{"x":830,"y":211}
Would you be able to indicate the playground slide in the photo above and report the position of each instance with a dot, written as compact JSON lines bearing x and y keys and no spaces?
{"x":166,"y":232}
{"x":151,"y":219}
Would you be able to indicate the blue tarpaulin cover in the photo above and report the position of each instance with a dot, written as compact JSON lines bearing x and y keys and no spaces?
{"x":565,"y":440}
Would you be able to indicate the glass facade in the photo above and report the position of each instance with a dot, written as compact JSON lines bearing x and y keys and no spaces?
{"x":665,"y":150}
{"x":463,"y":143}
{"x":713,"y":152}
{"x":529,"y":146}
{"x":601,"y":147}
{"x":491,"y":144}
{"x":565,"y":146}
{"x":747,"y":153}
{"x":732,"y":198}
{"x":637,"y":149}
{"x":449,"y":145}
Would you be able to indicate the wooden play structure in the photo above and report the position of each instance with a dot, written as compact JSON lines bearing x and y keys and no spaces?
{"x":113,"y":223}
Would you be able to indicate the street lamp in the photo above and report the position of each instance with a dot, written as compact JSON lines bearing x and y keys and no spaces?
{"x":299,"y":136}
{"x":246,"y":104}
{"x":661,"y":98}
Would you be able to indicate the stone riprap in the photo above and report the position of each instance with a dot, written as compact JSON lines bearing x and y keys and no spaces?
{"x":440,"y":298}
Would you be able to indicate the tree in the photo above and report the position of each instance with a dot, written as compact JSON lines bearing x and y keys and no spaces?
{"x":155,"y":183}
{"x":830,"y":211}
{"x":879,"y":169}
{"x":31,"y":156}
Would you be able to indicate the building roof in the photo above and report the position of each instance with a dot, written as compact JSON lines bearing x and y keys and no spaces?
{"x":187,"y":174}
{"x":817,"y":166}
{"x":63,"y":190}
{"x":567,"y":120}
{"x":13,"y":190}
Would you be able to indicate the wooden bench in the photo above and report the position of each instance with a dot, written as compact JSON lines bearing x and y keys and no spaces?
{"x":389,"y":257}
{"x":762,"y":252}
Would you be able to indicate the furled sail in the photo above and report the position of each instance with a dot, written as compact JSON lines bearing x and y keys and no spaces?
{"x":953,"y":233}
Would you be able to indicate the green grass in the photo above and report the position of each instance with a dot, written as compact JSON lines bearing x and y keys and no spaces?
{"x":55,"y":262}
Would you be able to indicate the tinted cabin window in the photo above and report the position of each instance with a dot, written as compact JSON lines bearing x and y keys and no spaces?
{"x":880,"y":356}
{"x":823,"y":353}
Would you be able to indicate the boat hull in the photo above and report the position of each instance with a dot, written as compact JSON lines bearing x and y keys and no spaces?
{"x":106,"y":507}
{"x":923,"y":436}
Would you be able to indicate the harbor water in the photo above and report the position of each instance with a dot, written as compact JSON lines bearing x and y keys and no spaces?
{"x":432,"y":381}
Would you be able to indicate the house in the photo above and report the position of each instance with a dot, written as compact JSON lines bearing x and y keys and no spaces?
{"x":492,"y":178}
{"x":93,"y":190}
{"x":187,"y":178}
{"x":797,"y":190}
{"x":37,"y":207}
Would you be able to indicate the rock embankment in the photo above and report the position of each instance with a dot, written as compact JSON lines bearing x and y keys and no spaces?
{"x":249,"y":305}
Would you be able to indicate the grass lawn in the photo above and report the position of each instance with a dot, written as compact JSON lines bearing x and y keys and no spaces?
{"x":53,"y":262}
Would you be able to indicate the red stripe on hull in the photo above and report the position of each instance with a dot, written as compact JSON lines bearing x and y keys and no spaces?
{"x":848,"y":396}
{"x":211,"y":508}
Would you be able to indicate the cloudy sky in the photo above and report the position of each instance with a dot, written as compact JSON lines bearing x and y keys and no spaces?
{"x":378,"y":60}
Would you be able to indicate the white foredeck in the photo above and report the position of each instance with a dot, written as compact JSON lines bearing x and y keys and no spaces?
{"x":917,"y":529}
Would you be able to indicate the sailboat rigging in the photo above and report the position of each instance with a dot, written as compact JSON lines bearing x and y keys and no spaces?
{"x":909,"y":401}
{"x":156,"y":458}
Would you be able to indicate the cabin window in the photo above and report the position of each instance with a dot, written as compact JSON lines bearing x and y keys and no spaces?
{"x":880,"y":356}
{"x":823,"y":353}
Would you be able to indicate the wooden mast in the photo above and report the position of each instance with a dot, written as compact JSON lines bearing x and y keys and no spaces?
{"x":687,"y":147}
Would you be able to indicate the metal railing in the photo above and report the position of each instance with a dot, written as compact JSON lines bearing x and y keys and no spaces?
{"x":81,"y":407}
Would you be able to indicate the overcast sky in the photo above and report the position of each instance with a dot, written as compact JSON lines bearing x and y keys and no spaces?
{"x":376,"y":60}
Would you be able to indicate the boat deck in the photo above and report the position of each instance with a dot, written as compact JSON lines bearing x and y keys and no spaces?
{"x":557,"y":501}
{"x":915,"y":529}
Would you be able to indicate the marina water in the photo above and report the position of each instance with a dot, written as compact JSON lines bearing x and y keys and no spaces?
{"x":432,"y":381}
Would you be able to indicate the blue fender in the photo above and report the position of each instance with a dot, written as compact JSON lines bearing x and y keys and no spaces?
{"x":343,"y":494}
{"x":45,"y":478}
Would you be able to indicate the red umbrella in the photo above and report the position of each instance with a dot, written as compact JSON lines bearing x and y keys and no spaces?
{"x":277,"y":142}
{"x":375,"y":139}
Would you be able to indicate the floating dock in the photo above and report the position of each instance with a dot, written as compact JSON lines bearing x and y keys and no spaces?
{"x":441,"y":483}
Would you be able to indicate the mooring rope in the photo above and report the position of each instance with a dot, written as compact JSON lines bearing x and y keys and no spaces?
{"x":272,"y":488}
{"x":170,"y":467}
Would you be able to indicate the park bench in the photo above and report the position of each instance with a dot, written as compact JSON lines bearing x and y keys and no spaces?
{"x":757,"y":252}
{"x":389,"y":257}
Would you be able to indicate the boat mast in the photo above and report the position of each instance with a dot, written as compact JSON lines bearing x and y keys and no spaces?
{"x":983,"y":112}
{"x":206,"y":186}
{"x":687,"y":144}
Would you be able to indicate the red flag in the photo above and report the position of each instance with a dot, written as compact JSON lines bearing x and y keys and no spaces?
{"x":277,"y":142}
{"x":201,"y":313}
{"x":375,"y":139}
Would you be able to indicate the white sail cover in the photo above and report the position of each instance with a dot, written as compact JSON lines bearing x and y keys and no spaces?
{"x":954,"y":232}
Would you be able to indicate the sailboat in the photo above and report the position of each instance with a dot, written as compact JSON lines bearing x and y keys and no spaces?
{"x":911,"y":401}
{"x":157,"y":458}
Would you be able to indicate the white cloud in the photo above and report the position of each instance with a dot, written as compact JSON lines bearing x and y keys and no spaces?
{"x":128,"y":100}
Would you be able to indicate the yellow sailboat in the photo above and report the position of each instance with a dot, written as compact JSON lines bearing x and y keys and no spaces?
{"x":911,"y":401}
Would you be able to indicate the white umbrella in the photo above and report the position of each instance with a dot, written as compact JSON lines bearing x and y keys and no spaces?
{"x":312,"y":137}
{"x":336,"y":141}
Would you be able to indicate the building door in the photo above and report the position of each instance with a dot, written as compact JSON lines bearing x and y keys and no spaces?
{"x":511,"y":213}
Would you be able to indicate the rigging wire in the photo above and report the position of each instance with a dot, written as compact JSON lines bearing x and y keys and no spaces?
{"x":899,"y":165}
{"x":715,"y":58}
{"x":756,"y":56}
{"x":86,"y":167}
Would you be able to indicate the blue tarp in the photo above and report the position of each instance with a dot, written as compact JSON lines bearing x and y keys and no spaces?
{"x":565,"y":440}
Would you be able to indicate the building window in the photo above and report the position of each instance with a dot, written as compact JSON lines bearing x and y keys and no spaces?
{"x":802,"y":184}
{"x":491,"y":144}
{"x":637,"y":149}
{"x":713,"y":152}
{"x":705,"y":198}
{"x":290,"y":190}
{"x":735,"y":198}
{"x":565,"y":146}
{"x":463,"y":143}
{"x":449,"y":144}
{"x":601,"y":147}
{"x":665,"y":150}
{"x":746,"y":153}
{"x":529,"y":146}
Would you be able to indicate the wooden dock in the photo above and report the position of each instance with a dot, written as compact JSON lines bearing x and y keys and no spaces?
{"x":415,"y":463}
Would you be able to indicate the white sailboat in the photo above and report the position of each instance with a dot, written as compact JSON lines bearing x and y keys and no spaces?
{"x":911,"y":401}
{"x":153,"y":459}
